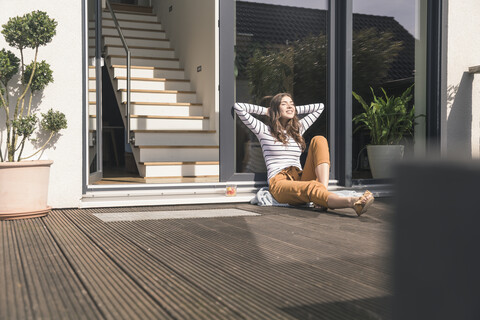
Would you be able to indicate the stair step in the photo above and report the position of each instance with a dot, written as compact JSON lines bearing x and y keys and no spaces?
{"x":175,"y":137}
{"x":169,"y":123}
{"x":179,"y":169}
{"x":159,"y":91}
{"x":92,"y":122}
{"x":170,"y":63}
{"x":166,"y":110}
{"x":131,"y":8}
{"x":170,"y":117}
{"x":153,"y":79}
{"x":174,"y":131}
{"x":153,"y":97}
{"x":179,"y":163}
{"x":129,"y":19}
{"x":129,"y":32}
{"x":91,"y":72}
{"x":154,"y":84}
{"x":159,"y":96}
{"x":138,"y":51}
{"x":155,"y":58}
{"x":133,"y":41}
{"x":130,"y":23}
{"x":176,"y":153}
{"x":196,"y":147}
{"x":92,"y":108}
{"x":131,"y":15}
{"x":147,"y":72}
{"x":141,"y":47}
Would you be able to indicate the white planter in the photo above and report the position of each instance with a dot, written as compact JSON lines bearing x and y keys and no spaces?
{"x":24,"y":189}
{"x":382,"y":158}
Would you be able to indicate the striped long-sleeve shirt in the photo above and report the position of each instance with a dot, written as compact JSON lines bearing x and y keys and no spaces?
{"x":277,"y":155}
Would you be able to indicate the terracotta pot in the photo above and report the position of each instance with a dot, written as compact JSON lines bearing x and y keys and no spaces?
{"x":24,"y":189}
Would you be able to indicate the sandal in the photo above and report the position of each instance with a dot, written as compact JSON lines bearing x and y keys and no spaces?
{"x":320,"y":208}
{"x":362,"y":204}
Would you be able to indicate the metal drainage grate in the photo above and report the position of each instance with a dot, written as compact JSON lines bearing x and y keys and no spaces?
{"x":178,"y":214}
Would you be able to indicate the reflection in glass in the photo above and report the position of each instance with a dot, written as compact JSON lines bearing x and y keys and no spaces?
{"x":278,"y":49}
{"x":383,"y":54}
{"x":92,"y":112}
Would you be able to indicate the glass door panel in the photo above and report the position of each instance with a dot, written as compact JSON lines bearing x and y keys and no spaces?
{"x":279,"y":47}
{"x":387,"y":54}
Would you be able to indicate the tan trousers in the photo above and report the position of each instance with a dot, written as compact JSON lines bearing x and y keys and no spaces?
{"x":296,"y":187}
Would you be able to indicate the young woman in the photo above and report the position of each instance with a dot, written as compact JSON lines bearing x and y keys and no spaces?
{"x":282,"y":144}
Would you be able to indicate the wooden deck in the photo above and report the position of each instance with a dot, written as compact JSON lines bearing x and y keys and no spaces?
{"x":286,"y":263}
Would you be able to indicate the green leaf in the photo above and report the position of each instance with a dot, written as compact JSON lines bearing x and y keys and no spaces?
{"x":15,"y":33}
{"x":9,"y":65}
{"x":25,"y":126}
{"x":53,"y":121}
{"x":41,"y":78}
{"x":29,"y":31}
{"x":360,"y":99}
{"x":387,"y":119}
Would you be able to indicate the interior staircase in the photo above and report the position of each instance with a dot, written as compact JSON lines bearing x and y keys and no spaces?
{"x":172,"y":135}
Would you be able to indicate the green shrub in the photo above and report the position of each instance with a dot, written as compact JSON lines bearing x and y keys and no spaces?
{"x":31,"y":30}
{"x":388,"y":119}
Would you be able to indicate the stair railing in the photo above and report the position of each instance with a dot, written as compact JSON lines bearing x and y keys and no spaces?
{"x":128,"y":138}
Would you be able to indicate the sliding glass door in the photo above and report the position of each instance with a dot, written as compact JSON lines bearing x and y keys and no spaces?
{"x":388,"y":53}
{"x":277,"y":47}
{"x":321,"y":53}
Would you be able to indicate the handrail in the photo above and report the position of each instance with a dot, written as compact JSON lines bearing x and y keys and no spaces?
{"x":127,"y":50}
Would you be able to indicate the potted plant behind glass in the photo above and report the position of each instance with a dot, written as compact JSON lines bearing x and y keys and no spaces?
{"x":389,"y":121}
{"x":23,"y":182}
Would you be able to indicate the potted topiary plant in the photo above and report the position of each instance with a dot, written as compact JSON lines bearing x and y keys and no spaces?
{"x":389,"y":121}
{"x":24,"y":182}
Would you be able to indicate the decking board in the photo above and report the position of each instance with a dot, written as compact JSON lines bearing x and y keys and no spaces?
{"x":154,"y":276}
{"x":114,"y":292}
{"x":287,"y":263}
{"x":241,"y":298}
{"x":15,"y":303}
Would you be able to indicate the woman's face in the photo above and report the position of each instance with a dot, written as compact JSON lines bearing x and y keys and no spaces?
{"x":287,"y":109}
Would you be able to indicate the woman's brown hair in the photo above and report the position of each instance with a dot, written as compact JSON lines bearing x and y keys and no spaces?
{"x":292,"y":127}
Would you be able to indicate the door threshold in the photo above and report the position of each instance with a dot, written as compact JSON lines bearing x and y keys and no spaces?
{"x":192,"y":193}
{"x":157,"y":180}
{"x":129,"y":200}
{"x":167,"y":194}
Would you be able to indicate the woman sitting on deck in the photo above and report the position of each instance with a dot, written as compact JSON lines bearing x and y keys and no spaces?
{"x":282,"y":144}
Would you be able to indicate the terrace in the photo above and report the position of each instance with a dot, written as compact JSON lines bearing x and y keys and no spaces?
{"x":239,"y":261}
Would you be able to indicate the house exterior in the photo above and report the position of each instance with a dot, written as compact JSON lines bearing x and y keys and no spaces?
{"x":202,"y":36}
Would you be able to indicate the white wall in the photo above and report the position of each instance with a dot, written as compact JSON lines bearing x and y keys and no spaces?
{"x":192,"y":29}
{"x":64,"y":54}
{"x":462,"y":47}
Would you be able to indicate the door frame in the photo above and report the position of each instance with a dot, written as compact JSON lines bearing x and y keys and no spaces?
{"x":91,"y":177}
